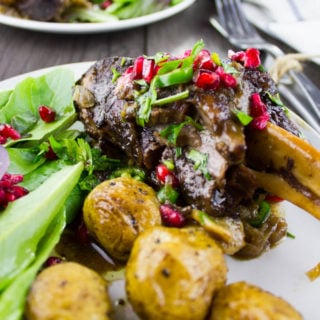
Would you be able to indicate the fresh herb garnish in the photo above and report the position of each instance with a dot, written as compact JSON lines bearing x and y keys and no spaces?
{"x":200,"y":162}
{"x":172,"y":131}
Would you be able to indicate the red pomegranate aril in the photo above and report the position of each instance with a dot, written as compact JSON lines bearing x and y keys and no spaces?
{"x":14,"y":178}
{"x":51,"y":261}
{"x":260,"y":122}
{"x":106,"y":4}
{"x":257,"y":107}
{"x":148,"y":70}
{"x":162,"y":171}
{"x":237,"y":56}
{"x":204,"y":61}
{"x":47,"y":114}
{"x":82,"y":234}
{"x":206,"y":79}
{"x":252,"y":58}
{"x":273,"y":198}
{"x":137,"y":68}
{"x":3,"y":139}
{"x":171,"y":217}
{"x":8,"y":131}
{"x":50,"y":154}
{"x":19,"y":191}
{"x":229,"y":80}
{"x":166,"y":176}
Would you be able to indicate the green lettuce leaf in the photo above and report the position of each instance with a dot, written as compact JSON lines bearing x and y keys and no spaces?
{"x":12,"y":300}
{"x":53,"y":89}
{"x":24,"y":222}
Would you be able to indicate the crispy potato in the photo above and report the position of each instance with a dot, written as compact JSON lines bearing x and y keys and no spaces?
{"x":68,"y":291}
{"x":243,"y":301}
{"x":117,"y":210}
{"x":174,"y":273}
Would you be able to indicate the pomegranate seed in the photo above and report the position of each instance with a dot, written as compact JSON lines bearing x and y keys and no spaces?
{"x":260,"y":122}
{"x":82,"y":234}
{"x":19,"y":191}
{"x":204,"y":61}
{"x":273,"y":198}
{"x":206,"y":79}
{"x":229,"y":80}
{"x":50,"y":154}
{"x":138,"y":68}
{"x":252,"y":59}
{"x":14,"y":178}
{"x":148,"y":70}
{"x":8,"y":131}
{"x":3,"y":139}
{"x":237,"y":56}
{"x":106,"y":4}
{"x":47,"y":114}
{"x":9,"y":191}
{"x":171,"y":217}
{"x":257,"y":107}
{"x":3,"y":200}
{"x":51,"y":261}
{"x":164,"y":175}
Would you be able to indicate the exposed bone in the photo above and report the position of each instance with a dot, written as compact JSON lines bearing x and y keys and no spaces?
{"x":287,"y":166}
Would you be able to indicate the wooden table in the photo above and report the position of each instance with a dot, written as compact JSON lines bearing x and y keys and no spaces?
{"x":24,"y":50}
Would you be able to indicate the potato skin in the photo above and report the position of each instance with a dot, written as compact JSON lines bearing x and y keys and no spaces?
{"x":68,"y":291}
{"x":117,"y":210}
{"x":173,"y":273}
{"x":243,"y":301}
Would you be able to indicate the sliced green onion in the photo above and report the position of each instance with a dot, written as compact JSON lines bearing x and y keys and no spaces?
{"x":262,"y":215}
{"x":177,"y":76}
{"x":179,"y":96}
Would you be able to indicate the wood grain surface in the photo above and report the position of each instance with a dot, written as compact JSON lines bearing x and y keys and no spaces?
{"x":22,"y":51}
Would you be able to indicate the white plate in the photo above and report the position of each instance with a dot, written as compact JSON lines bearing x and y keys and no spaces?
{"x":281,"y":270}
{"x":96,"y":27}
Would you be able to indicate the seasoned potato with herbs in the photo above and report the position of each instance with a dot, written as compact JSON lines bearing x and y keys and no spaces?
{"x":117,"y":210}
{"x":243,"y":301}
{"x":173,"y":273}
{"x":68,"y":291}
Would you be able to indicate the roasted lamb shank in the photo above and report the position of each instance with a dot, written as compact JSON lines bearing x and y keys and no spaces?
{"x":205,"y":120}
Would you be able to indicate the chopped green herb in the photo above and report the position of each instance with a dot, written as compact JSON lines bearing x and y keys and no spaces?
{"x":133,"y":172}
{"x":116,"y":75}
{"x":243,"y":117}
{"x":200,"y":162}
{"x":167,"y":193}
{"x":172,"y":131}
{"x":290,"y":235}
{"x":228,"y":68}
{"x":169,"y":164}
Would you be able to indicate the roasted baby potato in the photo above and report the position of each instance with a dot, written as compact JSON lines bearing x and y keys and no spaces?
{"x":117,"y":210}
{"x":68,"y":291}
{"x":243,"y":301}
{"x":173,"y":273}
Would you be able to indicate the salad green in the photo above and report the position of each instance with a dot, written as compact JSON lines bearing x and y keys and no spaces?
{"x":31,"y":226}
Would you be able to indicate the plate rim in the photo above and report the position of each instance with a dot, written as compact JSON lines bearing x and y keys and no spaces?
{"x":94,"y":27}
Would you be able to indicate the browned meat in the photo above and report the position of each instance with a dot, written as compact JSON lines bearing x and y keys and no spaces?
{"x":112,"y":119}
